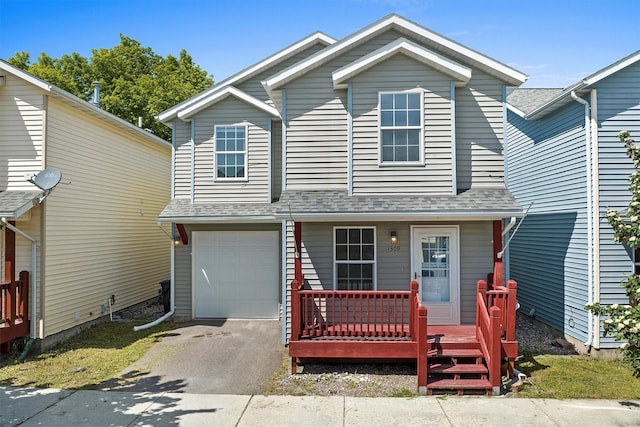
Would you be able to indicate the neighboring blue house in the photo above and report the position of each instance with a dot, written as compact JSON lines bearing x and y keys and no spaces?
{"x":562,"y":153}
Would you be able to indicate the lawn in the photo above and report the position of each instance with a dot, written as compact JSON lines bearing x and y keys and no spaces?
{"x":86,"y":360}
{"x":99,"y":353}
{"x":576,"y":377}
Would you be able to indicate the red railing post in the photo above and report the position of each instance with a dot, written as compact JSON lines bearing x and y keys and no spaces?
{"x":497,"y":248}
{"x":413,"y":307}
{"x":511,"y":310}
{"x":481,"y":294}
{"x":495,"y":349}
{"x":23,"y":304}
{"x":295,"y":320}
{"x":422,"y":350}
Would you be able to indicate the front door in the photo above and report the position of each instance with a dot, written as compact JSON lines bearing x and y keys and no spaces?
{"x":435,"y":264}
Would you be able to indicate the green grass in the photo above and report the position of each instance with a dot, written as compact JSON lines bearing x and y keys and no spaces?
{"x":576,"y":377}
{"x":86,"y":360}
{"x":99,"y":353}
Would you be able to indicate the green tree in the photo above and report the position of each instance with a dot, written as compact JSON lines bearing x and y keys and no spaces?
{"x":623,"y":321}
{"x":134,"y":81}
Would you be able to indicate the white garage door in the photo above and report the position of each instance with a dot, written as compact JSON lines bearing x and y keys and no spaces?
{"x":236,"y":274}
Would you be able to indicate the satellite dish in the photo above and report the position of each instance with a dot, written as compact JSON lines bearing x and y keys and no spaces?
{"x":47,"y":179}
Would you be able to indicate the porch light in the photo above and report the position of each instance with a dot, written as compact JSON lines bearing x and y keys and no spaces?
{"x":393,"y":238}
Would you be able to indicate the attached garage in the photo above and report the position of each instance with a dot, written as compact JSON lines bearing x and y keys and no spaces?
{"x":236,"y":274}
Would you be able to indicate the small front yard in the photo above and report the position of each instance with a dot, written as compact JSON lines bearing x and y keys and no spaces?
{"x":101,"y":352}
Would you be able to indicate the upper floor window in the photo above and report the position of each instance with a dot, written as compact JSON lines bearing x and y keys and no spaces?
{"x":401,"y":128}
{"x":355,"y":258}
{"x":231,"y":152}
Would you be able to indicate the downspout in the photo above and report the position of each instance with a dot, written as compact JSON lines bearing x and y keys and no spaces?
{"x":34,"y":277}
{"x":595,"y":161}
{"x":587,"y":132}
{"x":172,"y":292}
{"x":349,"y":140}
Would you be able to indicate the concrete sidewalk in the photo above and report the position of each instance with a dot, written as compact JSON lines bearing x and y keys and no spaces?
{"x":52,"y":407}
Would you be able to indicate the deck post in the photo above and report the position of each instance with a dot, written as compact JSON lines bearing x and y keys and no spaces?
{"x":295,"y":320}
{"x":421,"y":344}
{"x":498,"y":272}
{"x":481,"y":292}
{"x":495,"y":350}
{"x":23,"y":304}
{"x":413,"y":307}
{"x":297,"y":248}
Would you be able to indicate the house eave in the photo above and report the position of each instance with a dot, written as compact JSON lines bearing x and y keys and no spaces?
{"x":400,"y":216}
{"x":206,"y":102}
{"x":318,"y":37}
{"x":509,"y":75}
{"x":221,"y":219}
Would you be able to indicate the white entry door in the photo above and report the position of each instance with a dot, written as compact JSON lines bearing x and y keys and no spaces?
{"x":435,"y":264}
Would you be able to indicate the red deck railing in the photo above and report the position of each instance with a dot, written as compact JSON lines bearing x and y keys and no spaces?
{"x":14,"y":310}
{"x":358,"y":324}
{"x":496,"y":326}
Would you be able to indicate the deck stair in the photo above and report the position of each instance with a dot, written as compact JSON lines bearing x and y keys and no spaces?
{"x":455,"y":363}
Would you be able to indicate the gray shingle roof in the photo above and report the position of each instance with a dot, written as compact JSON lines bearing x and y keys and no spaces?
{"x":480,"y":203}
{"x":529,"y":99}
{"x":15,"y":203}
{"x":183,"y":210}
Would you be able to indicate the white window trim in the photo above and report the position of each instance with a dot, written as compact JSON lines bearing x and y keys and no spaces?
{"x":420,"y":128}
{"x":246,"y":154}
{"x":374,"y":262}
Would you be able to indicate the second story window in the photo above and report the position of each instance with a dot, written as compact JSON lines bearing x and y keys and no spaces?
{"x":231,"y":152}
{"x":401,"y":128}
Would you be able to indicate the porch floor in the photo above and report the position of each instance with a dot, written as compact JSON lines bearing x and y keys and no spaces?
{"x":451,"y":333}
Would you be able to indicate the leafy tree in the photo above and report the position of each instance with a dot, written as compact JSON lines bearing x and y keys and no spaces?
{"x":623,"y":321}
{"x":134,"y":81}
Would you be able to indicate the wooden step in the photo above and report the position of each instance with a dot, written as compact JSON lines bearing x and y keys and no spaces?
{"x":454,"y":352}
{"x":464,"y":368}
{"x":459,"y":386}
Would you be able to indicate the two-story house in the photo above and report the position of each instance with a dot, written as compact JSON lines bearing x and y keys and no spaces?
{"x":377,"y":158}
{"x":92,"y":247}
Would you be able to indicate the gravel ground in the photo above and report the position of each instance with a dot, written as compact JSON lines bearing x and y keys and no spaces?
{"x":384,"y":379}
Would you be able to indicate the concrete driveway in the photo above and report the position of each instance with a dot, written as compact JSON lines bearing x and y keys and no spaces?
{"x":208,"y":356}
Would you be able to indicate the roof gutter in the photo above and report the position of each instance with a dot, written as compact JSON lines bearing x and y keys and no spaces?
{"x":590,"y":259}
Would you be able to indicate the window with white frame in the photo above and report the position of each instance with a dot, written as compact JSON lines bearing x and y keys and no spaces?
{"x":636,"y":261}
{"x":355,"y":258}
{"x":401,"y":128}
{"x":231,"y":152}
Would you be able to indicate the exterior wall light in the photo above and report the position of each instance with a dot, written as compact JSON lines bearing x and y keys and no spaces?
{"x":393,"y":238}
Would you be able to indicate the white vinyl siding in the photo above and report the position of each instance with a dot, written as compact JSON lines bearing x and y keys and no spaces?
{"x":101,"y":235}
{"x":255,"y":189}
{"x":22,"y":132}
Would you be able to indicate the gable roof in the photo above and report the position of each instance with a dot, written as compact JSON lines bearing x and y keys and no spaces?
{"x":393,"y":21}
{"x":564,"y":96}
{"x":219,"y":95}
{"x":456,"y":71}
{"x":81,"y":104}
{"x":251,"y":71}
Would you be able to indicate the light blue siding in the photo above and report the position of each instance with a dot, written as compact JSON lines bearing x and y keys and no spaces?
{"x":618,"y":109}
{"x":548,"y":255}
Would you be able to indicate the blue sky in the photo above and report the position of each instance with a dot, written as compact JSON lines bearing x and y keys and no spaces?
{"x":555,"y":42}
